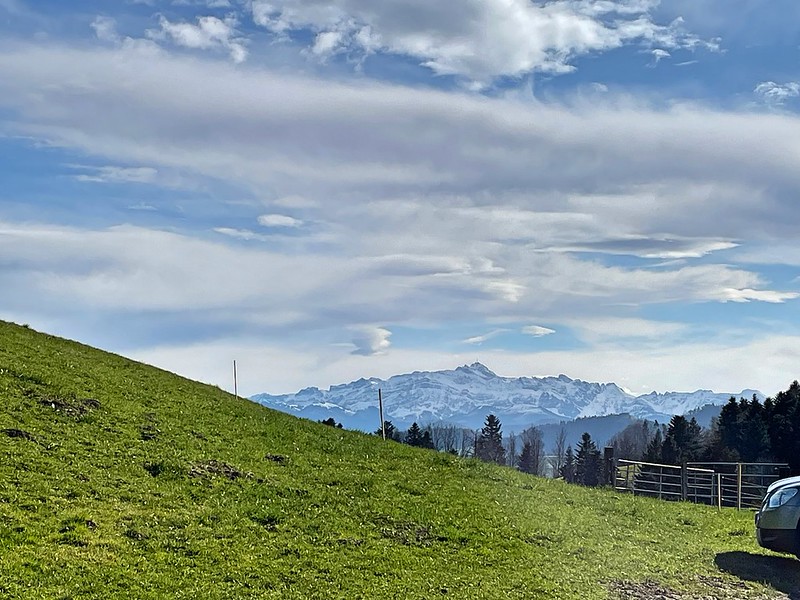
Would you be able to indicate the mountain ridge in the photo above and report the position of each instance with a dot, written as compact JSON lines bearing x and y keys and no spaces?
{"x":466,"y":394}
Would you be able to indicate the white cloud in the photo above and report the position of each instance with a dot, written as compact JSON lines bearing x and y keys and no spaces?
{"x":748,"y":295}
{"x":209,"y":33}
{"x":481,"y":39}
{"x":600,"y":329}
{"x":105,"y":28}
{"x":658,"y":55}
{"x":326,"y":43}
{"x":479,"y":339}
{"x":369,"y":341}
{"x":112,"y":174}
{"x":537,"y":330}
{"x":142,"y":206}
{"x":775,"y":94}
{"x":274,"y":220}
{"x":241,"y":234}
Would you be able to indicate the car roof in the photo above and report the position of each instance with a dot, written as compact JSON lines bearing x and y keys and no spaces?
{"x":782,"y":482}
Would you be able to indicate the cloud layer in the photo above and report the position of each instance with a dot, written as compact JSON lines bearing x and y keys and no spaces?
{"x":482,"y":40}
{"x":371,"y":227}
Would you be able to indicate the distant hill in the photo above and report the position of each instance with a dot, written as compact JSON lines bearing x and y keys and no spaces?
{"x":465,"y":395}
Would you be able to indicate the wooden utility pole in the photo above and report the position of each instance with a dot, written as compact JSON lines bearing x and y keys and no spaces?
{"x":235,"y":381}
{"x":380,"y":410}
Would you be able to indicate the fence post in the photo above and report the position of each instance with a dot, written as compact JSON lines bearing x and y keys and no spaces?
{"x":684,"y":482}
{"x":739,"y":486}
{"x":609,"y":475}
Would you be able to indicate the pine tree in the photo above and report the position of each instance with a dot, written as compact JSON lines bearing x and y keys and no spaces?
{"x":525,"y":461}
{"x":533,"y":437}
{"x":414,"y":435}
{"x":755,"y":443}
{"x":682,"y":442}
{"x":729,"y":428}
{"x":653,"y":452}
{"x":489,"y":445}
{"x":587,"y":462}
{"x":784,"y":426}
{"x":392,"y":432}
{"x":426,"y":441}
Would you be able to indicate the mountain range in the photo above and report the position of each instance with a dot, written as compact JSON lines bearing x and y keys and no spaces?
{"x":466,"y":395}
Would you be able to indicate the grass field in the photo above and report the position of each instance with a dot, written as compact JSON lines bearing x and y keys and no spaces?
{"x":118,"y":480}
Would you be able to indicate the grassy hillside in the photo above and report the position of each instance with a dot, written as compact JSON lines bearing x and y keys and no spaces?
{"x":118,"y":480}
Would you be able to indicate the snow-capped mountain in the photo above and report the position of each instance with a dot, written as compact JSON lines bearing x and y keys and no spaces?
{"x":465,"y":395}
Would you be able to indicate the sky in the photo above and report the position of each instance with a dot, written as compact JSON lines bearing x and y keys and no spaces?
{"x":328,"y":190}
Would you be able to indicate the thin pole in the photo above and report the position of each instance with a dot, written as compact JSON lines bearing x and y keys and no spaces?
{"x":235,"y":381}
{"x":380,"y":409}
{"x":739,"y":487}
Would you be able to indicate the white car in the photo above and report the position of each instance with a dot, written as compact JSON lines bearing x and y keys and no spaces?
{"x":778,"y":519}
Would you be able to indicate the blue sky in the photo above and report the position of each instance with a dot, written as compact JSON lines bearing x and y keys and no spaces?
{"x":327,"y":190}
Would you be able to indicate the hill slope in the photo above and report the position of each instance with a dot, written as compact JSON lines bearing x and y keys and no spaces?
{"x":465,"y":395}
{"x":119,"y":480}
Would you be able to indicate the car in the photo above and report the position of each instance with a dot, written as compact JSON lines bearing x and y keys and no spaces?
{"x":778,"y":519}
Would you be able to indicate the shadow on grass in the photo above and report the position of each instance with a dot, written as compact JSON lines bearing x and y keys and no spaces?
{"x":780,"y":572}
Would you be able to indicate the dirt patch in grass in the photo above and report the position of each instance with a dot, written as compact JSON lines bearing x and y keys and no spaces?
{"x":71,"y":407}
{"x":642,"y":590}
{"x":407,"y":533}
{"x":717,"y":588}
{"x":210,"y":468}
{"x":21,"y":434}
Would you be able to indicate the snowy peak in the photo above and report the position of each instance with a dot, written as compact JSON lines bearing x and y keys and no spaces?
{"x":478,"y":369}
{"x":465,"y":396}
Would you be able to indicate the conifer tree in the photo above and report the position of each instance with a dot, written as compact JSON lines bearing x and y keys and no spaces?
{"x":754,"y":444}
{"x":392,"y":432}
{"x":525,"y":461}
{"x":784,"y":426}
{"x":587,"y":462}
{"x":414,"y":435}
{"x":653,"y":452}
{"x":489,"y":445}
{"x":682,"y":442}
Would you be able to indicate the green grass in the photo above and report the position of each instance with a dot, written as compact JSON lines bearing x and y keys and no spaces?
{"x":119,"y":480}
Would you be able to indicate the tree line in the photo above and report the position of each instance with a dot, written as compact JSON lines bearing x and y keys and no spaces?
{"x":745,"y":431}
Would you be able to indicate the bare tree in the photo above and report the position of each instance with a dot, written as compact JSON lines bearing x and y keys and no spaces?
{"x":511,"y":449}
{"x":631,"y":443}
{"x":468,"y":439}
{"x":559,"y":452}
